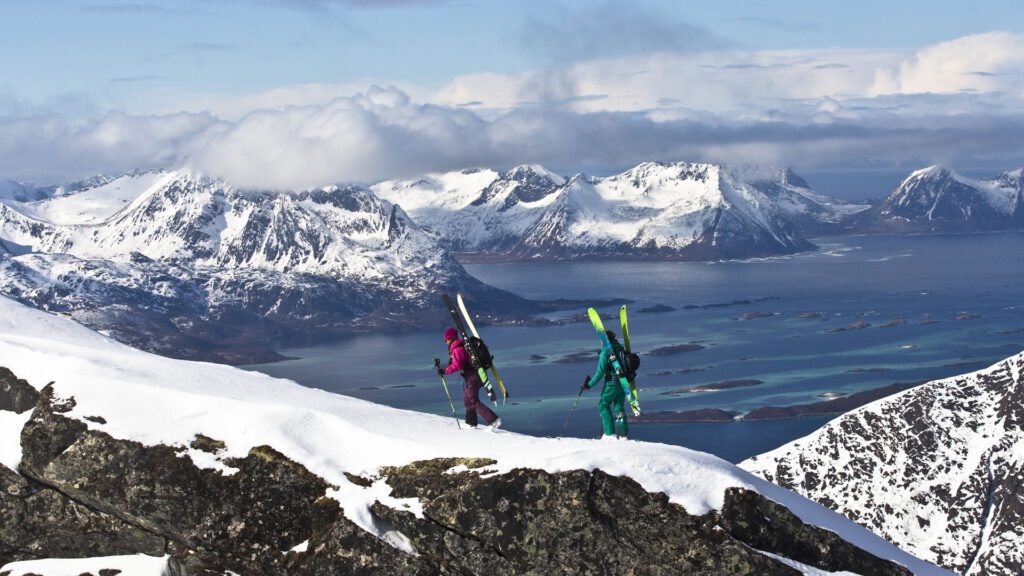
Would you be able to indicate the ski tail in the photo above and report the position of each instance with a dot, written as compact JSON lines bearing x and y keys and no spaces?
{"x":472,"y":328}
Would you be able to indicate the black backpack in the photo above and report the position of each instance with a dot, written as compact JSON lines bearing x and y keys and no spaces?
{"x":486,"y":360}
{"x":630,"y":362}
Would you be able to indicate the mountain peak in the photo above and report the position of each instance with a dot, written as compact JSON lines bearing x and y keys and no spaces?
{"x":528,"y":172}
{"x":933,"y":171}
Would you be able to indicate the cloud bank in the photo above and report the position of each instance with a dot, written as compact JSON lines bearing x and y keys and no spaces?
{"x":959,"y":103}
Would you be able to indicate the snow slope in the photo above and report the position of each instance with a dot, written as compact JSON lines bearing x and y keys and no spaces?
{"x":936,"y":469}
{"x":155,"y":400}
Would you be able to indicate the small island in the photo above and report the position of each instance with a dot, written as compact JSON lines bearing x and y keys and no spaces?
{"x":716,"y":386}
{"x":752,"y":315}
{"x":666,"y":350}
{"x":855,"y":370}
{"x":657,"y":308}
{"x":703,"y":415}
{"x":854,"y":326}
{"x":574,"y":357}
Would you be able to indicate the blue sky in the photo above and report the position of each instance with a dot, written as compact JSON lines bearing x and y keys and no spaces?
{"x":296,"y":93}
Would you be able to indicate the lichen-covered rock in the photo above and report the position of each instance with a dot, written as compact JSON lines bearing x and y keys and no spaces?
{"x":771,"y":527}
{"x":37,"y":522}
{"x":341,"y":547}
{"x":534,"y":522}
{"x":16,"y":395}
{"x":245,"y":521}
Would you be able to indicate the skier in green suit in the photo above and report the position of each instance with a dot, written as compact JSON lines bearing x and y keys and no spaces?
{"x":613,"y":396}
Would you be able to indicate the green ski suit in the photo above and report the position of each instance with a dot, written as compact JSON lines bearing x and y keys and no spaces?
{"x":613,"y":395}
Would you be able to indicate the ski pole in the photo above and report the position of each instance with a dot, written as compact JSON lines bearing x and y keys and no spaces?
{"x":570,"y":413}
{"x":437,"y":364}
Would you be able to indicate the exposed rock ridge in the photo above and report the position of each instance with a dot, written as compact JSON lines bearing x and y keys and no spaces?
{"x":267,"y":515}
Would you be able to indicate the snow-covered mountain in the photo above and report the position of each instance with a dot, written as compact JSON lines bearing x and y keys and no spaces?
{"x":170,"y":260}
{"x":938,"y":470}
{"x":222,"y":469}
{"x":674,"y":210}
{"x":937,"y":199}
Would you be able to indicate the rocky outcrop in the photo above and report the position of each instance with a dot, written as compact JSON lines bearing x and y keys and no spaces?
{"x":82,"y":492}
{"x":579,"y":522}
{"x":38,"y":522}
{"x":16,"y":395}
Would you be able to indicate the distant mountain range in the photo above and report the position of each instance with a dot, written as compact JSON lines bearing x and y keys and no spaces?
{"x":936,"y":470}
{"x":185,"y":265}
{"x":188,"y":265}
{"x":655,"y":210}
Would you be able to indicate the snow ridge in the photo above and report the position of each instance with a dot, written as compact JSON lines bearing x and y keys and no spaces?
{"x":935,"y":469}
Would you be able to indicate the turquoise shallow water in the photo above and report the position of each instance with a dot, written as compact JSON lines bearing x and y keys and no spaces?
{"x":954,"y":303}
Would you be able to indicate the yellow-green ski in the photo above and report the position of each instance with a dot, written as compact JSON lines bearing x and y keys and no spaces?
{"x":625,"y":341}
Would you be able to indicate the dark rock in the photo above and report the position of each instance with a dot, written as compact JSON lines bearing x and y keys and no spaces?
{"x":242,"y":521}
{"x":769,"y":526}
{"x":37,"y":522}
{"x":188,"y":563}
{"x":531,"y":521}
{"x":341,"y":547}
{"x":207,"y":444}
{"x":16,"y":395}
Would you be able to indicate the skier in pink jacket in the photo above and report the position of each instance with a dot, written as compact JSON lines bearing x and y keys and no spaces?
{"x":462,"y":363}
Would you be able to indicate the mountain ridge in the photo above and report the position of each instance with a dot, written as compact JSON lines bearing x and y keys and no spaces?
{"x":198,"y":260}
{"x":935,"y":469}
{"x":655,"y":210}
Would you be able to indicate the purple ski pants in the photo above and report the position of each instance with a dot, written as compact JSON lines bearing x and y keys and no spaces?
{"x":473,"y":404}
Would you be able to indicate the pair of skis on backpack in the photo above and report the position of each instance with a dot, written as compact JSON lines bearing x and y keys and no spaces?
{"x":478,"y":352}
{"x":624,"y":367}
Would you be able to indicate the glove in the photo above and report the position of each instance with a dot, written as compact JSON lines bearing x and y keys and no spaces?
{"x":635,"y":406}
{"x":440,"y":372}
{"x":586,"y":384}
{"x":493,"y":398}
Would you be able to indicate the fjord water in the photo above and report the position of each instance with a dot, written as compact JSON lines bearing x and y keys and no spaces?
{"x":860,"y":313}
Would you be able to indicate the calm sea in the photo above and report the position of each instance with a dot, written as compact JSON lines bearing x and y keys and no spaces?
{"x":914,"y":308}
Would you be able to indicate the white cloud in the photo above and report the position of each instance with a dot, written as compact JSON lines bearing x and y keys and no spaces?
{"x":805,"y":108}
{"x":982,"y":63}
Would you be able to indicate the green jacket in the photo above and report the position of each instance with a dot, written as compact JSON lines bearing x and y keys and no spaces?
{"x":605,"y":369}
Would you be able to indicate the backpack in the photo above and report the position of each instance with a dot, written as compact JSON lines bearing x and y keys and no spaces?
{"x":630,"y":362}
{"x":486,"y":360}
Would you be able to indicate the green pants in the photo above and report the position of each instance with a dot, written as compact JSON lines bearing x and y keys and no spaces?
{"x":612,"y":396}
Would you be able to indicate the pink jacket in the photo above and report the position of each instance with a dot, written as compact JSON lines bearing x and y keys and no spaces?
{"x":460,"y":358}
